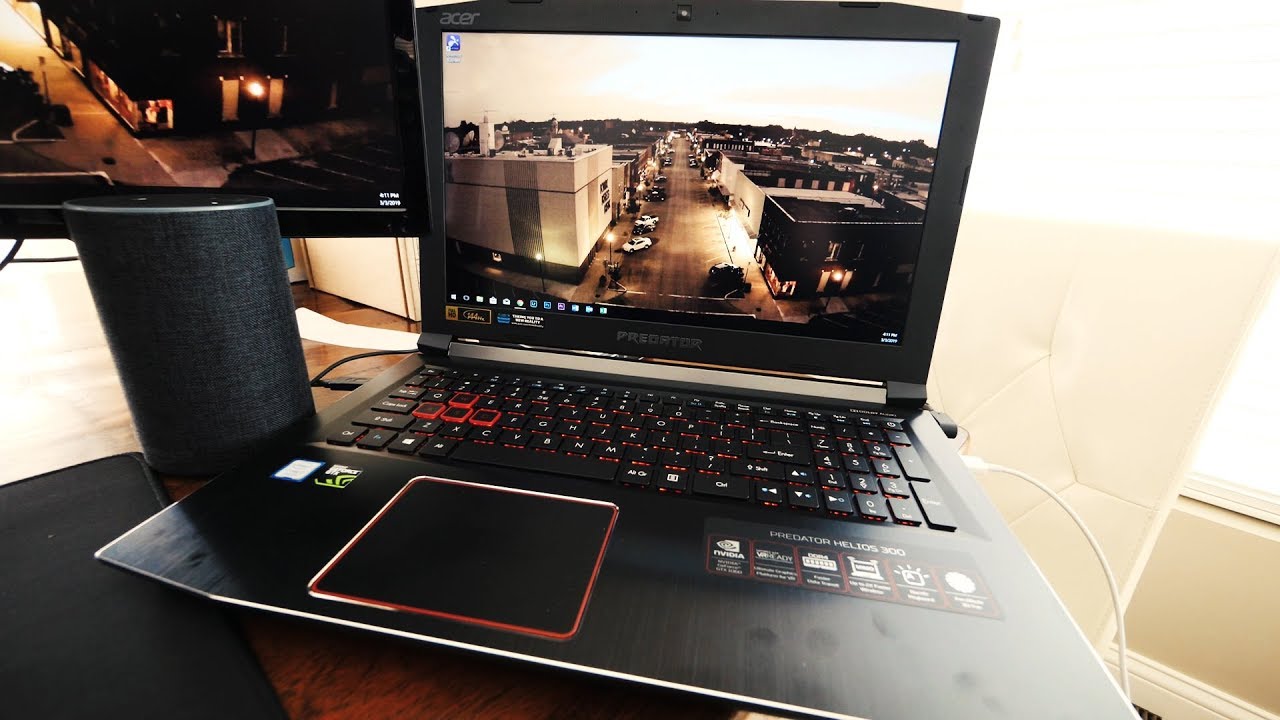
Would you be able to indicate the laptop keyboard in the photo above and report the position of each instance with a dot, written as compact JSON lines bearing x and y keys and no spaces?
{"x":853,"y":466}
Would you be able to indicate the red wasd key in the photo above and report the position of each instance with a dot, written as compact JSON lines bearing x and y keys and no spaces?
{"x":486,"y":418}
{"x":456,"y":414}
{"x":463,"y":400}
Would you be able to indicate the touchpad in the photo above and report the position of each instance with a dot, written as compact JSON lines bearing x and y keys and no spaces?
{"x":499,"y":557}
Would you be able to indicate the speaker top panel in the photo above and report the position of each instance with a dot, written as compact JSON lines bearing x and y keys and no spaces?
{"x":163,"y":204}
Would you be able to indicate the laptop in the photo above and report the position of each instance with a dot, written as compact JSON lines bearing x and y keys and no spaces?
{"x":667,"y":423}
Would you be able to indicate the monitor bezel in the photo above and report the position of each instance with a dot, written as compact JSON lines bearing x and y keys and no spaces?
{"x":44,"y":220}
{"x":975,"y":38}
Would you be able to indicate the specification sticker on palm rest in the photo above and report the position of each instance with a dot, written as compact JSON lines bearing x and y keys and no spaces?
{"x":889,"y":572}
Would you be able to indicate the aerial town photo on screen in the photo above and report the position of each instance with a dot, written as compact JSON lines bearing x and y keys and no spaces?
{"x":694,"y":192}
{"x":251,"y":96}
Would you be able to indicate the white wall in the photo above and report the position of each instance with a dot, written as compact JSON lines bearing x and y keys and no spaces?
{"x":1206,"y":605}
{"x":745,"y":194}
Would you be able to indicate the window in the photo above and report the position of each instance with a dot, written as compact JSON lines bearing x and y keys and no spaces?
{"x":284,"y":40}
{"x":1235,"y":466}
{"x":1130,"y":97}
{"x":230,"y":37}
{"x":833,"y":250}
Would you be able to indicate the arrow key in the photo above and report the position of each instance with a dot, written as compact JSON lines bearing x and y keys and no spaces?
{"x":804,"y":476}
{"x":802,"y":498}
{"x":770,"y":492}
{"x":837,"y":501}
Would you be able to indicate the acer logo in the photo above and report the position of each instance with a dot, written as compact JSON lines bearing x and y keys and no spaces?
{"x":459,"y":18}
{"x":673,"y":341}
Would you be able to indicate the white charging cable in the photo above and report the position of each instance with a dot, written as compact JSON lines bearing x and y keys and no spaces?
{"x":977,"y":464}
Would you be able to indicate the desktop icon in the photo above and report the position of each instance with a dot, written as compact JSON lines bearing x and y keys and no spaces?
{"x":574,"y":308}
{"x":519,"y":303}
{"x":604,"y":311}
{"x":590,"y":309}
{"x":506,"y":301}
{"x":466,"y":298}
{"x":493,"y":301}
{"x":559,"y":306}
{"x":453,"y":42}
{"x":453,"y":296}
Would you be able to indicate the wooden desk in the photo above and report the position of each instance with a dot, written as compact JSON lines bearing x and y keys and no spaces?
{"x":63,"y":405}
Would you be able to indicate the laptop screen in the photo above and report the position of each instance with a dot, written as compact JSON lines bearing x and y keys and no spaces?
{"x":766,"y":184}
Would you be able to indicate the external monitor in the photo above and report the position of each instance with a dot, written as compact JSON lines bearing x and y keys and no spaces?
{"x":314,"y":105}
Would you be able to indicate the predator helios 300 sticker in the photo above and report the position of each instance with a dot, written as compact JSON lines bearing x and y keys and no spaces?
{"x":889,"y":572}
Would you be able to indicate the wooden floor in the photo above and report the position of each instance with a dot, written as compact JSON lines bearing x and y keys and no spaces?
{"x":320,"y":356}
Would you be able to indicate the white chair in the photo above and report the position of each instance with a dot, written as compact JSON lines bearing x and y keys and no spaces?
{"x":1091,"y":357}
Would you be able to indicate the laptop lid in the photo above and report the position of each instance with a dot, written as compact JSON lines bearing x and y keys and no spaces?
{"x":805,"y":161}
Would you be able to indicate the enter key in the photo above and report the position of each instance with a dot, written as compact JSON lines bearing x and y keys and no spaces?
{"x":789,"y":455}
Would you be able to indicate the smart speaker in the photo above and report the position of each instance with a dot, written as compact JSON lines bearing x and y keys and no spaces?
{"x":194,"y":297}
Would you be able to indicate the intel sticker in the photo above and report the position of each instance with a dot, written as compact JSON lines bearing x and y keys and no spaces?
{"x":298,"y":470}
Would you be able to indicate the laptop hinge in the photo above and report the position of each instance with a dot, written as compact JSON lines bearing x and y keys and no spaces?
{"x":434,"y":343}
{"x":905,"y":395}
{"x":634,"y":368}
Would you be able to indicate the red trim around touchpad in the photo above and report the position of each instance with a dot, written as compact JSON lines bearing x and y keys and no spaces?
{"x":498,"y":557}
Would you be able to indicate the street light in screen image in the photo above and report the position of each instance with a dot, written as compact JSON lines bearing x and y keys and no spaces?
{"x":257,"y":91}
{"x":836,"y":278}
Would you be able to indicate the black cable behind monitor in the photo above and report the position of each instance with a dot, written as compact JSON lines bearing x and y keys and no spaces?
{"x":13,"y":251}
{"x":11,"y":256}
{"x":348,"y":383}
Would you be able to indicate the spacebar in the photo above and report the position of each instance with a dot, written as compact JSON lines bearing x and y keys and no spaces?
{"x":522,"y":459}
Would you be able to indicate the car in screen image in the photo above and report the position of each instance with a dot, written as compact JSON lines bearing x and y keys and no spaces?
{"x":637,"y":244}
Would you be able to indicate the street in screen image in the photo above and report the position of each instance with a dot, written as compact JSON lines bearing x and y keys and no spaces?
{"x":744,"y":219}
{"x":249,"y":96}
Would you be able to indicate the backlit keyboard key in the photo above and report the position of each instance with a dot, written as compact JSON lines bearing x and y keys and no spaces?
{"x":802,"y":498}
{"x":635,"y":474}
{"x":409,"y":393}
{"x":347,"y":436}
{"x":429,"y":411}
{"x":385,"y":420}
{"x":872,"y":507}
{"x":905,"y":512}
{"x":863,"y":484}
{"x":837,"y":501}
{"x":376,"y":439}
{"x":394,"y":405}
{"x":895,"y":487}
{"x":463,"y":400}
{"x":456,"y":414}
{"x":726,"y":486}
{"x":770,"y":492}
{"x":407,"y":445}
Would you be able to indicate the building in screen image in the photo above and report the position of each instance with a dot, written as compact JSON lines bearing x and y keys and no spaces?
{"x":240,"y":94}
{"x":697,"y":194}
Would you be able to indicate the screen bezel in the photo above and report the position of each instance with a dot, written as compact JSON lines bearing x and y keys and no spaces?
{"x":44,"y":220}
{"x":908,"y":362}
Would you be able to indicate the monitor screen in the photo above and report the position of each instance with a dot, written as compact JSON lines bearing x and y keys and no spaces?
{"x":776,"y":184}
{"x":311,"y":104}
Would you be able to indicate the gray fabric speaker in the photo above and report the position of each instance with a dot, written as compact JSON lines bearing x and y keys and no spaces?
{"x":194,"y":297}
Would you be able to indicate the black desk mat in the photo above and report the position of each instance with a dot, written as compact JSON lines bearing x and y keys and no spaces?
{"x":79,"y":639}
